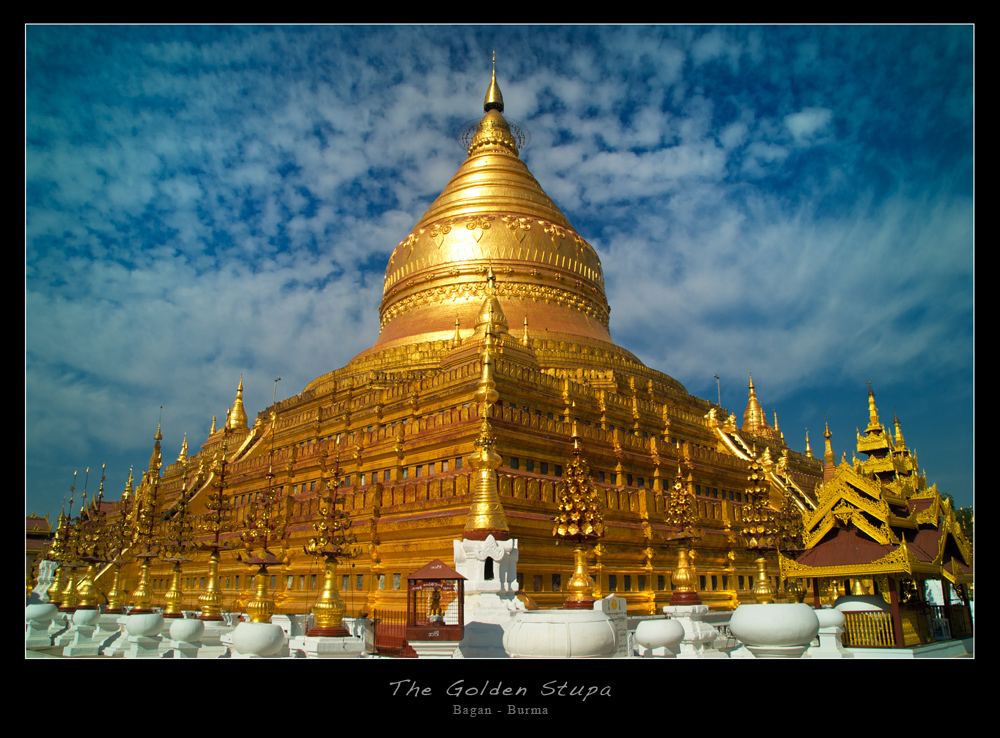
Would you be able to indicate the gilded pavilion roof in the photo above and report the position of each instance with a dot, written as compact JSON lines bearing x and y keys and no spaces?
{"x":877,"y":516}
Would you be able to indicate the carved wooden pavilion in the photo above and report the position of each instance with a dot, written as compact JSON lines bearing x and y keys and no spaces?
{"x":878,"y":524}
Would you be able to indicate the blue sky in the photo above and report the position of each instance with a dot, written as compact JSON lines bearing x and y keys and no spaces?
{"x":206,"y":202}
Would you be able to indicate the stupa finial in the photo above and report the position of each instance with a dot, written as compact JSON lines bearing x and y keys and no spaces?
{"x":494,"y":100}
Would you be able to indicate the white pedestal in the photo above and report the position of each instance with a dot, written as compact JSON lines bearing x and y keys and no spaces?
{"x":184,"y":641}
{"x":38,"y":618}
{"x":325,"y":647}
{"x":83,"y":630}
{"x":831,"y":629}
{"x":144,"y":637}
{"x":435,"y":649}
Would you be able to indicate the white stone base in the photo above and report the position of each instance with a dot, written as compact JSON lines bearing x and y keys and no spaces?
{"x":38,"y":619}
{"x":324,"y":647}
{"x":434,"y":649}
{"x":83,"y":630}
{"x":699,"y":636}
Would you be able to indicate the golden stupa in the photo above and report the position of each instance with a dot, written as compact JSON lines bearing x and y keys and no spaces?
{"x":494,"y":362}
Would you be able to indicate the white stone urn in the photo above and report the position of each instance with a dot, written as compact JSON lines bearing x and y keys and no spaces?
{"x":40,"y":612}
{"x":830,"y":618}
{"x":561,"y":634}
{"x":775,"y":630}
{"x":144,"y":624}
{"x":187,"y":630}
{"x":86,"y":616}
{"x":659,"y":634}
{"x":258,"y":639}
{"x":37,"y":617}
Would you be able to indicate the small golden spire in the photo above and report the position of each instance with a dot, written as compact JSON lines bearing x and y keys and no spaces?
{"x":237,"y":417}
{"x":157,"y":457}
{"x":809,"y":452}
{"x":525,"y":341}
{"x":456,"y":340}
{"x":873,"y":421}
{"x":129,"y":487}
{"x":494,"y":134}
{"x":183,"y":456}
{"x":213,"y":431}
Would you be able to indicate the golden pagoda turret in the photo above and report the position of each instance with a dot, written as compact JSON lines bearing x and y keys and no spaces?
{"x":237,"y":417}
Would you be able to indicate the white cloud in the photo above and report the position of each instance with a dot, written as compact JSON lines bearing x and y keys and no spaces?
{"x":809,"y":124}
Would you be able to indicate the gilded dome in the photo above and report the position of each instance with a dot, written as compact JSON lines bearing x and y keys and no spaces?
{"x":493,"y":213}
{"x":493,"y":218}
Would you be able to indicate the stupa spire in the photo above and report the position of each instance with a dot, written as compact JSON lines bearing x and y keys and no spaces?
{"x":494,"y":100}
{"x":237,"y":418}
{"x":486,"y":514}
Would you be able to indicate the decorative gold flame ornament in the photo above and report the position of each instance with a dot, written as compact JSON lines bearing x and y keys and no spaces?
{"x":59,"y":552}
{"x":217,"y":522}
{"x":580,"y":521}
{"x":332,"y":543}
{"x":266,"y":523}
{"x":760,"y":529}
{"x":90,"y":545}
{"x":145,"y":525}
{"x":178,"y":540}
{"x":116,"y":540}
{"x":679,"y":513}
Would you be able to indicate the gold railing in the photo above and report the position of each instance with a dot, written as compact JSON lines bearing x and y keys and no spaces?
{"x":871,"y":629}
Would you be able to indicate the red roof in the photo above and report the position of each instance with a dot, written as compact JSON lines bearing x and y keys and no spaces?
{"x":437,"y":569}
{"x":846,"y":547}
